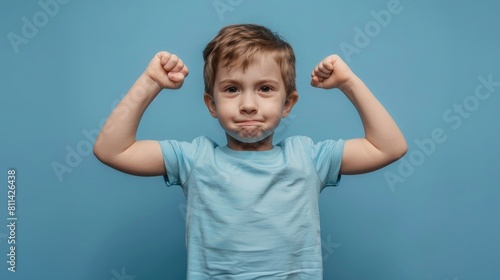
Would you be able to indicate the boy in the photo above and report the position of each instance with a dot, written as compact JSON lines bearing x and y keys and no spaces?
{"x":252,"y":207}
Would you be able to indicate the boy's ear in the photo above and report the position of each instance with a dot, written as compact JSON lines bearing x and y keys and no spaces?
{"x":289,"y":103}
{"x":209,"y":101}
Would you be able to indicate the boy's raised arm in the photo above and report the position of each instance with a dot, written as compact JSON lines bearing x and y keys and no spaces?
{"x":383,"y":142}
{"x":116,"y":145}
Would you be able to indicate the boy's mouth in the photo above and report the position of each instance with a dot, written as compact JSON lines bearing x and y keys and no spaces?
{"x":249,"y":122}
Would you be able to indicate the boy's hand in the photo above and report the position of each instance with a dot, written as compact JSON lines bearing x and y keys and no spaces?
{"x":167,"y":70}
{"x":331,"y":72}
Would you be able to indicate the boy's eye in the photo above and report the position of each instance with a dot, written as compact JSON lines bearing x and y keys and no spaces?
{"x":265,"y":88}
{"x":232,"y":89}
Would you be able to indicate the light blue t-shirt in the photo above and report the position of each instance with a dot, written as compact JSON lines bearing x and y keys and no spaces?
{"x":253,"y":215}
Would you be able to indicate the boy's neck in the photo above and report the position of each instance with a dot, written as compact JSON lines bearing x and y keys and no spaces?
{"x":262,"y":145}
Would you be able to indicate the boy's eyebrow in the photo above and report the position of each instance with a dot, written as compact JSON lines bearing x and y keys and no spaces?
{"x":235,"y":81}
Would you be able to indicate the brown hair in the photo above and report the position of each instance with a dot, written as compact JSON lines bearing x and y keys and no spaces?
{"x":237,"y":44}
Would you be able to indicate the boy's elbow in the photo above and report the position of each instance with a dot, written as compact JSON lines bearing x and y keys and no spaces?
{"x":102,"y":150}
{"x":402,"y":151}
{"x":100,"y":154}
{"x":395,"y":151}
{"x":399,"y":150}
{"x":105,"y":158}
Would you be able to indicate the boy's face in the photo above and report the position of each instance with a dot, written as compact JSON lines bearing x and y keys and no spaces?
{"x":249,"y":105}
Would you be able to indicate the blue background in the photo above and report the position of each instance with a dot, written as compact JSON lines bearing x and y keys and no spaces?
{"x":437,"y":220}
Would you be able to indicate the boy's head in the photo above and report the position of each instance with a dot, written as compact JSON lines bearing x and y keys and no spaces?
{"x":236,"y":46}
{"x":249,"y":84}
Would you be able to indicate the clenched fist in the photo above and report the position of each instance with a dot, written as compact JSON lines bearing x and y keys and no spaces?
{"x":167,"y":70}
{"x":331,"y":72}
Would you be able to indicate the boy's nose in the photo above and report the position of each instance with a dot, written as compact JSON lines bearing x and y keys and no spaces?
{"x":248,"y":104}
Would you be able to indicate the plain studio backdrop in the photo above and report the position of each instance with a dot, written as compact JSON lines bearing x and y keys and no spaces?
{"x":433,"y":215}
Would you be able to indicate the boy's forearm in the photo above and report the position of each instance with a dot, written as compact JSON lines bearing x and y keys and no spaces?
{"x":380,"y":129}
{"x":119,"y":131}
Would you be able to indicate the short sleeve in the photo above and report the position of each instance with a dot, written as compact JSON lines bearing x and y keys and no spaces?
{"x":180,"y":158}
{"x":327,"y":159}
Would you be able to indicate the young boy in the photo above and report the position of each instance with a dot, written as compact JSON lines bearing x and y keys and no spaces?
{"x":252,"y":206}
